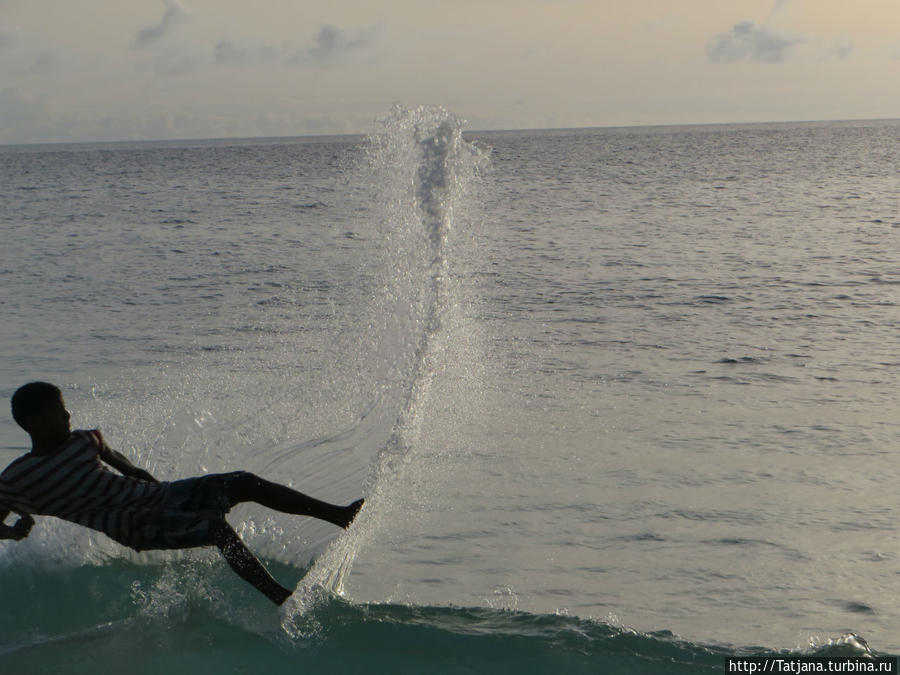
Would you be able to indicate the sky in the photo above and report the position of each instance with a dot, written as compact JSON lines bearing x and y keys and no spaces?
{"x":102,"y":70}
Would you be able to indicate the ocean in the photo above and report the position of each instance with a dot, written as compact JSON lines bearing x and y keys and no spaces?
{"x":620,"y":400}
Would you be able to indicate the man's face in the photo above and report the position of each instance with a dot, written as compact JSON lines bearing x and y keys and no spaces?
{"x":54,"y":419}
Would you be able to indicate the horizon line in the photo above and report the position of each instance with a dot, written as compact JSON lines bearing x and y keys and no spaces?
{"x":362,"y":134}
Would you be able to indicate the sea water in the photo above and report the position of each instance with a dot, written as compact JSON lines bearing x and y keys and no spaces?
{"x":620,"y":400}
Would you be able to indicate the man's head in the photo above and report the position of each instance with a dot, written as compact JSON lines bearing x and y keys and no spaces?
{"x":39,"y":405}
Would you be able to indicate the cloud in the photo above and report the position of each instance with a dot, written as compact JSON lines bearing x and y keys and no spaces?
{"x":229,"y":53}
{"x":840,"y":51}
{"x":334,"y":45}
{"x":177,"y":61}
{"x":171,"y":54}
{"x":9,"y":36}
{"x":23,"y":54}
{"x":44,"y":62}
{"x":777,"y":7}
{"x":172,"y":17}
{"x":747,"y":41}
{"x":24,"y":117}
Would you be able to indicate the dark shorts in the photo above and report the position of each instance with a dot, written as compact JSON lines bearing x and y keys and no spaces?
{"x":184,"y":517}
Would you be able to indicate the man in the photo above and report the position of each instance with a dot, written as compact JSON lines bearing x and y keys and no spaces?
{"x":66,"y":475}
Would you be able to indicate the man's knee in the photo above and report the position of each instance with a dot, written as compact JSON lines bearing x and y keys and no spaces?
{"x":240,"y":486}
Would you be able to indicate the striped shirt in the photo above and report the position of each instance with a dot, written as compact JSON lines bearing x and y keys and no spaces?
{"x":73,"y":484}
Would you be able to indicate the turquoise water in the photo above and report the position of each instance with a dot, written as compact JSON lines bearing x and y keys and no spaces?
{"x":618,"y":399}
{"x":124,"y":615}
{"x":103,"y":621}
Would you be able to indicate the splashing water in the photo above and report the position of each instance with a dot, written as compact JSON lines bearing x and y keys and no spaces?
{"x":423,"y":170}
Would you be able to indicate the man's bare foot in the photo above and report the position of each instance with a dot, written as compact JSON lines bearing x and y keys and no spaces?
{"x":350,"y":512}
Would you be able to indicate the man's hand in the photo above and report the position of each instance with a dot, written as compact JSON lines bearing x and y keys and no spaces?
{"x":23,"y":526}
{"x":18,"y":531}
{"x":122,"y":464}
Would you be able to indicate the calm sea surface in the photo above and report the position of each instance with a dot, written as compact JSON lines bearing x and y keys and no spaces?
{"x":615,"y":396}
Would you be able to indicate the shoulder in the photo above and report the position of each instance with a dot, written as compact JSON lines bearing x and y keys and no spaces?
{"x":77,"y":443}
{"x":12,"y":466}
{"x":86,"y":438}
{"x":20,"y":469}
{"x":81,"y":444}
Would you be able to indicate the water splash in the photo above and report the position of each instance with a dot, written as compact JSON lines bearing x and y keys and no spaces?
{"x":422,"y":171}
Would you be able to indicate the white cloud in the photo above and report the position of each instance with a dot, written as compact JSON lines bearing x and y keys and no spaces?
{"x":24,"y":54}
{"x":9,"y":36}
{"x":171,"y":54}
{"x":47,"y":61}
{"x":176,"y":61}
{"x":777,"y":7}
{"x":230,"y":53}
{"x":24,"y":117}
{"x":747,"y":41}
{"x":174,"y":16}
{"x":840,"y":51}
{"x":334,"y":45}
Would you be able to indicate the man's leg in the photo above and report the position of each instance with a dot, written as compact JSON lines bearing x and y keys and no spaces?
{"x":245,"y":563}
{"x":248,"y":487}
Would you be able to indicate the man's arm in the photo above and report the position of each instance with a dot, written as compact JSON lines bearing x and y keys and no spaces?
{"x":122,"y":464}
